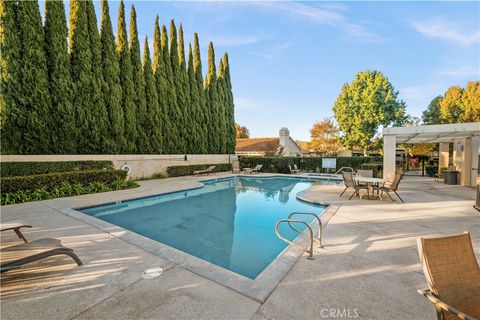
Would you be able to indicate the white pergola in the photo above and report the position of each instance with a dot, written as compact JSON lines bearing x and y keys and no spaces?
{"x":464,"y":136}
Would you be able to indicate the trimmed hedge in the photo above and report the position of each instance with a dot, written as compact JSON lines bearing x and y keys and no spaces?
{"x":49,"y":181}
{"x":64,"y":190}
{"x":313,"y":164}
{"x":376,"y":167}
{"x":177,"y":171}
{"x":14,"y":169}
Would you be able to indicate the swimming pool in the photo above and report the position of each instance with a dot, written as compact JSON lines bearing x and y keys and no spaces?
{"x":228,"y":222}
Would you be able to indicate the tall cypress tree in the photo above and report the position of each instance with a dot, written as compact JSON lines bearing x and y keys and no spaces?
{"x":184,"y":96}
{"x":81,"y":71}
{"x":230,"y":107}
{"x":152,"y":123}
{"x":126,"y":81}
{"x":99,"y":141}
{"x":168,"y":97}
{"x":221,"y":109}
{"x":12,"y":115}
{"x":112,"y":90}
{"x":203,"y":112}
{"x":35,"y":97}
{"x":194,"y":105}
{"x":143,"y":143}
{"x":161,"y":83}
{"x":62,"y":127}
{"x":177,"y":112}
{"x":212,"y":102}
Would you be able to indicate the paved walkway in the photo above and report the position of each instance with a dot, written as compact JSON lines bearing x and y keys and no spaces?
{"x":368,"y":269}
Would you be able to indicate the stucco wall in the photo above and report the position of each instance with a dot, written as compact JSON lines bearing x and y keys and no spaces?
{"x":142,"y":165}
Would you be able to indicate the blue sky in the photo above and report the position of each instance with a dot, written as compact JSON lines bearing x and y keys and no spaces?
{"x":289,"y":60}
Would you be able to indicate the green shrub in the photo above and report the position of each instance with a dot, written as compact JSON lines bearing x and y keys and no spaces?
{"x":313,"y":164}
{"x":13,"y":169}
{"x":376,"y":167}
{"x":65,"y":189}
{"x":177,"y":171}
{"x":52,"y":180}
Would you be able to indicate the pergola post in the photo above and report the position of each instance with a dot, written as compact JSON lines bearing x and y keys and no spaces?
{"x":389,"y":156}
{"x":443,"y":155}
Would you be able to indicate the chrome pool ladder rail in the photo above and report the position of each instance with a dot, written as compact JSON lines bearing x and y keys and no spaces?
{"x":317,"y":218}
{"x":343,"y":168}
{"x":310,"y":251}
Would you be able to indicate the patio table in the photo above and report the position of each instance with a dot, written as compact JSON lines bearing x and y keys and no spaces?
{"x":370,"y":183}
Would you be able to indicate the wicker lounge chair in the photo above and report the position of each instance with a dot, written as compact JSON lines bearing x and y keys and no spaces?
{"x":254,"y":170}
{"x":15,"y":226}
{"x":390,"y":187}
{"x":206,"y":171}
{"x":14,"y":257}
{"x":453,"y":276}
{"x":349,"y":183}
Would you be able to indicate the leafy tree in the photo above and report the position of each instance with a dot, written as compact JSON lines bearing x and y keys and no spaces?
{"x":203,"y":115}
{"x":368,"y":102}
{"x":112,"y":90}
{"x":471,"y":102}
{"x":168,"y":98}
{"x":432,"y":114}
{"x":212,"y":102}
{"x":451,"y":108}
{"x":12,"y":116}
{"x":126,"y":81}
{"x":143,"y":141}
{"x":324,"y":137}
{"x":98,"y":142}
{"x":33,"y":85}
{"x":62,"y":118}
{"x":230,"y":106}
{"x":152,"y":124}
{"x":242,"y":132}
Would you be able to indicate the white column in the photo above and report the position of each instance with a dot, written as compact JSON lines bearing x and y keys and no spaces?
{"x":389,"y":156}
{"x":474,"y":176}
{"x":443,"y":155}
{"x":467,"y":163}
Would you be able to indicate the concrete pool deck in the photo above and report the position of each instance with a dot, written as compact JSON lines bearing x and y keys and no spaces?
{"x":369,"y":266}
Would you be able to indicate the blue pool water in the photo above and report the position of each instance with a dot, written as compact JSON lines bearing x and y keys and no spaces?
{"x":229,"y":222}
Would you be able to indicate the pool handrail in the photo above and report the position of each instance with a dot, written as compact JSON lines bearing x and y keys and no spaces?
{"x":320,"y":226}
{"x":310,"y":252}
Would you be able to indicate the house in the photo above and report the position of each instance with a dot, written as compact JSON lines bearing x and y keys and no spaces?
{"x":283,"y":145}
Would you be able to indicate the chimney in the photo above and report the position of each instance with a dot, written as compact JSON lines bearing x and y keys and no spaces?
{"x":284,"y":136}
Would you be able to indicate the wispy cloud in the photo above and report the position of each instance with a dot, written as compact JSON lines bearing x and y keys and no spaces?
{"x":328,"y":14}
{"x":274,"y":53}
{"x":233,"y":40}
{"x":448,"y":30}
{"x":464,"y":71}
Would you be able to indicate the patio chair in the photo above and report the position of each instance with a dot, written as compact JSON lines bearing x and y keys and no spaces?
{"x":350,"y":183}
{"x":15,"y":226}
{"x":296,"y":168}
{"x":390,"y":187}
{"x":16,"y":256}
{"x":293,"y":171}
{"x":364,"y":173}
{"x":206,"y":171}
{"x":453,"y":276}
{"x":254,"y":170}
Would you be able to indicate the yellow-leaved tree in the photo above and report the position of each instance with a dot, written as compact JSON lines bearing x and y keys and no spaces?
{"x":324,"y":137}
